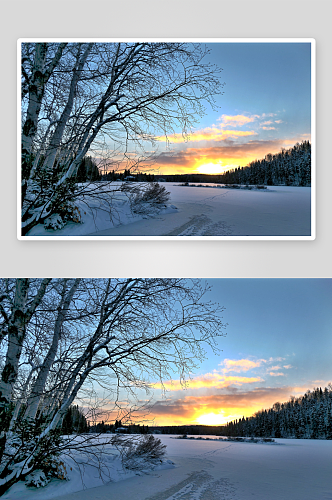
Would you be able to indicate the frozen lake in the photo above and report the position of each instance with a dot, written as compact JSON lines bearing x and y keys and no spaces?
{"x":217,"y":470}
{"x":291,"y":469}
{"x":209,"y":211}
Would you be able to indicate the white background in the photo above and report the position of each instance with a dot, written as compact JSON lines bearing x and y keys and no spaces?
{"x":171,"y":18}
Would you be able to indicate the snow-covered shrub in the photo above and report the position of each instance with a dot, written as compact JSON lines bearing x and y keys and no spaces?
{"x":155,"y":194}
{"x":37,"y":479}
{"x":69,"y":212}
{"x":66,"y":212}
{"x":151,"y":196}
{"x":54,"y":222}
{"x":29,"y":456}
{"x":137,"y":453}
{"x":52,"y":468}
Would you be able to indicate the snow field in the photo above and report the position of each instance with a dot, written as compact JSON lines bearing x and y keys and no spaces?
{"x":200,"y":211}
{"x":210,"y":470}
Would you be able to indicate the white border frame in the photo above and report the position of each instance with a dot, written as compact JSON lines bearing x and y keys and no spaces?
{"x":312,"y":41}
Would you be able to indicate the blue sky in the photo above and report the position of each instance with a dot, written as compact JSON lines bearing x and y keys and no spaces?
{"x":266,"y":105}
{"x":278,"y":343}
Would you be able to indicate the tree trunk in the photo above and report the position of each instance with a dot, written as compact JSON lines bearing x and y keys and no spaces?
{"x":16,"y":333}
{"x":37,"y":83}
{"x":58,"y":133}
{"x":39,"y":385}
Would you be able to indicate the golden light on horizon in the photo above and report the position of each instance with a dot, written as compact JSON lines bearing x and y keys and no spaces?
{"x":212,"y":168}
{"x":221,"y":417}
{"x":212,"y":419}
{"x":215,"y":167}
{"x":208,"y":415}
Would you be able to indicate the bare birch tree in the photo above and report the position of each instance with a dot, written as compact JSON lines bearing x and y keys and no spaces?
{"x":81,"y":97}
{"x":69,"y":334}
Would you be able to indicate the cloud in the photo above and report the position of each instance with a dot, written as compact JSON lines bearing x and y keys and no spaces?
{"x":240,"y":365}
{"x":229,"y":150}
{"x":218,"y":132}
{"x":287,"y":367}
{"x":233,"y":404}
{"x":221,"y":131}
{"x":209,"y":134}
{"x":228,"y":375}
{"x":186,"y":159}
{"x":237,"y":120}
{"x":214,"y":380}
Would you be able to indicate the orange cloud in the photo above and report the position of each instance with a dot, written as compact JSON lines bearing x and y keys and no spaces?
{"x":268,"y":128}
{"x":275,"y":374}
{"x":207,"y":409}
{"x":209,"y":134}
{"x":232,"y":153}
{"x":210,"y":380}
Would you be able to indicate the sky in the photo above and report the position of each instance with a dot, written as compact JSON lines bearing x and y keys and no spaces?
{"x":265,"y":106}
{"x":278,"y":344}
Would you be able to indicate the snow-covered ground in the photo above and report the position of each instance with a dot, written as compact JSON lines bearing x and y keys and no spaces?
{"x":212,"y":470}
{"x":202,"y":211}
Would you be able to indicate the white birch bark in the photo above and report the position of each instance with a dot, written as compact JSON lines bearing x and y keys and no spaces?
{"x":59,"y":130}
{"x":37,"y":82}
{"x":38,"y":388}
{"x":15,"y":329}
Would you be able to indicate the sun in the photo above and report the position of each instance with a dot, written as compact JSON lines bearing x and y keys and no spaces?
{"x":212,"y":419}
{"x":210,"y":168}
{"x":213,"y":168}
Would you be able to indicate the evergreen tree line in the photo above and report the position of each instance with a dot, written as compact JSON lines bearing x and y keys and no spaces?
{"x":112,"y":176}
{"x":101,"y":427}
{"x":75,"y":422}
{"x":212,"y":430}
{"x":212,"y":178}
{"x":306,"y":417}
{"x":291,"y":167}
{"x":88,"y":170}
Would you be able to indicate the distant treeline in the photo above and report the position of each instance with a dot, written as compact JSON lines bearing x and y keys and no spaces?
{"x":290,"y":167}
{"x":88,"y":170}
{"x":112,"y":175}
{"x":213,"y":178}
{"x":74,"y":421}
{"x":306,"y":417}
{"x":103,"y":427}
{"x":188,"y":429}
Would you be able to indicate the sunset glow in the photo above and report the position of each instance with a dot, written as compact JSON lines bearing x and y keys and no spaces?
{"x":212,"y":419}
{"x":261,"y":110}
{"x":266,"y":357}
{"x":212,"y":168}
